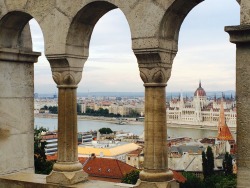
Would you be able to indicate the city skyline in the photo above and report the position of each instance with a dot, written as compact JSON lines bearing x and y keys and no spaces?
{"x":112,"y":66}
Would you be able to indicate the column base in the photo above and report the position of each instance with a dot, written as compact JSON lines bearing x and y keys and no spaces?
{"x":156,"y":176}
{"x":146,"y":184}
{"x":66,"y":178}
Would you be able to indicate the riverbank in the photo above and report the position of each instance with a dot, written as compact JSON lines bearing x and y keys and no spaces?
{"x":132,"y":121}
{"x":95,"y":118}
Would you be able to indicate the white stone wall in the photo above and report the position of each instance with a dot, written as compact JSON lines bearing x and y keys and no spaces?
{"x":16,"y":117}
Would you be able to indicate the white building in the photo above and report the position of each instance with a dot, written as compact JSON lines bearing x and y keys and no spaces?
{"x":200,"y":110}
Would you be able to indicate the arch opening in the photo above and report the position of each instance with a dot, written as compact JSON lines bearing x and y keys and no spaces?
{"x":204,"y":54}
{"x":82,"y":27}
{"x":14,"y":31}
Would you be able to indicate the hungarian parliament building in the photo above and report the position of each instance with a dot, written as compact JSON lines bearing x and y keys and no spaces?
{"x":201,"y":111}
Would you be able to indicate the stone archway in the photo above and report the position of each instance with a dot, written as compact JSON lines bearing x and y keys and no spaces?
{"x":67,"y":72}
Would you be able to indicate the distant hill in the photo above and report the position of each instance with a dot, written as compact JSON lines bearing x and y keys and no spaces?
{"x":210,"y":94}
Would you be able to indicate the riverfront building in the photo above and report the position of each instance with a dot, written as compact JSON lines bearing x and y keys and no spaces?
{"x":201,"y":111}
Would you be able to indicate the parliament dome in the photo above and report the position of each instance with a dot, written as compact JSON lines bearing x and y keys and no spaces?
{"x":200,"y":91}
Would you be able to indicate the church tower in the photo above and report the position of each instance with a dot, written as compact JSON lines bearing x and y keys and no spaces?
{"x":223,"y":130}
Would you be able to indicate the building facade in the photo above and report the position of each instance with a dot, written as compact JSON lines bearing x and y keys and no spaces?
{"x":199,"y":110}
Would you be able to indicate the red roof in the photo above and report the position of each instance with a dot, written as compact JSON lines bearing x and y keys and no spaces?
{"x":110,"y":169}
{"x":48,"y":137}
{"x":51,"y":157}
{"x":107,"y":168}
{"x":223,"y":130}
{"x":225,"y":134}
{"x":179,"y":177}
{"x":200,"y":91}
{"x":135,"y":152}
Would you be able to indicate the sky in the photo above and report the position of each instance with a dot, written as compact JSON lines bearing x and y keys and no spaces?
{"x":204,"y":53}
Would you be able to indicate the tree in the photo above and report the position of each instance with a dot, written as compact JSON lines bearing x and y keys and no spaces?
{"x":78,"y":109}
{"x":228,"y":164}
{"x":204,"y":165}
{"x":208,"y":162}
{"x":220,"y":181}
{"x":53,"y":109}
{"x":133,"y":113}
{"x":42,"y":166}
{"x":105,"y":130}
{"x":192,"y":181}
{"x":131,"y":177}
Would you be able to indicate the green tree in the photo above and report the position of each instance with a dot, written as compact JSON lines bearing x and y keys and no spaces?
{"x":78,"y":109}
{"x":204,"y":165}
{"x":208,"y":162}
{"x":53,"y":109}
{"x":105,"y":130}
{"x":131,"y":177}
{"x":220,"y":181}
{"x":42,"y":166}
{"x":133,"y":113}
{"x":228,"y":164}
{"x":192,"y":181}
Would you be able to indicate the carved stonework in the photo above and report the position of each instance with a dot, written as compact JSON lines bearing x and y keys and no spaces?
{"x":66,"y":70}
{"x":155,"y":67}
{"x":67,"y":77}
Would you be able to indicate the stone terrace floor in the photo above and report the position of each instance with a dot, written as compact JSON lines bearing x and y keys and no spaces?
{"x":29,"y":180}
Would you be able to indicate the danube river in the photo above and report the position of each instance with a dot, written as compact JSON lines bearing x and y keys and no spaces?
{"x":88,"y":125}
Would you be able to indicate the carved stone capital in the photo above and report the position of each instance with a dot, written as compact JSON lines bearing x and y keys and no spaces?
{"x":66,"y":70}
{"x":155,"y":66}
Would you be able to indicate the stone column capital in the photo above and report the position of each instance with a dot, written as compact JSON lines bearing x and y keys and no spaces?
{"x":17,"y":55}
{"x":155,"y":66}
{"x":239,"y":34}
{"x":66,"y":69}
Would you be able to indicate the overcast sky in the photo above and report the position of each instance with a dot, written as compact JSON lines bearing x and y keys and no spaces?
{"x":205,"y":53}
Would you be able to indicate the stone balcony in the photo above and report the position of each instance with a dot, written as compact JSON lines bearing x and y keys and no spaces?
{"x":29,"y":180}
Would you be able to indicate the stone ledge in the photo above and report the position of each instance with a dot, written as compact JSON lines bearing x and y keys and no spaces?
{"x":29,"y":180}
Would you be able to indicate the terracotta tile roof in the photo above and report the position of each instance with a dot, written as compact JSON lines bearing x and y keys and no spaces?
{"x":223,"y":130}
{"x":135,"y":152}
{"x":47,"y":137}
{"x":111,"y":170}
{"x":107,"y":168}
{"x":225,"y":134}
{"x":82,"y":160}
{"x":179,"y":177}
{"x":52,"y":157}
{"x":208,"y":141}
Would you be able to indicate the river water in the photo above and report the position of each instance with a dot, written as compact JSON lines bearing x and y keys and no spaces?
{"x":88,"y":125}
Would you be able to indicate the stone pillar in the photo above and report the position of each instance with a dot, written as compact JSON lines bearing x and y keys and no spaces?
{"x":155,"y":69}
{"x":67,"y":73}
{"x":240,"y":35}
{"x":16,"y":110}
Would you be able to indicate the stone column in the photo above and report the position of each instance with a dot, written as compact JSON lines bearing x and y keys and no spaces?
{"x":16,"y":110}
{"x":67,"y":73}
{"x":240,"y":35}
{"x":155,"y":69}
